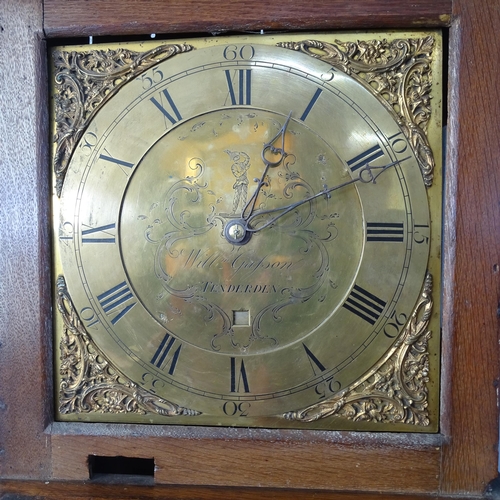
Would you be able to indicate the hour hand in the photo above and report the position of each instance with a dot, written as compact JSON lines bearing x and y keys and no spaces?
{"x":272,"y":155}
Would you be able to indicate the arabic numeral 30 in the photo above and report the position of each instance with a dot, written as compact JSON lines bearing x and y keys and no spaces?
{"x":231,"y":409}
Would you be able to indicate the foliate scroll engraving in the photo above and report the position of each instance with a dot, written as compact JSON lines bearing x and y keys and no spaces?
{"x":398,"y":72}
{"x":394,"y":391}
{"x":90,"y":383}
{"x":84,"y":81}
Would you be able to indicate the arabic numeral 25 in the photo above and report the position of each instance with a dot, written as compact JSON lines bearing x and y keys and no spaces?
{"x":327,"y":388}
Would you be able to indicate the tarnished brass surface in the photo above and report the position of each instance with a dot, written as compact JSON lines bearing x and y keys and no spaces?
{"x":216,"y":310}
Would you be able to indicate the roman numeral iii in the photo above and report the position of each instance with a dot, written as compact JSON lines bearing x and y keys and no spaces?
{"x":385,"y":231}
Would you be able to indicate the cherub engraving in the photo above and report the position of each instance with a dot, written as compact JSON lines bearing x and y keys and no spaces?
{"x":239,"y":168}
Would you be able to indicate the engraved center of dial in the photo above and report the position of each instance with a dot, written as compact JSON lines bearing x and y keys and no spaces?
{"x":182,"y":231}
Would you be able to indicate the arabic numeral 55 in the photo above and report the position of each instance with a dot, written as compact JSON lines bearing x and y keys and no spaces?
{"x":151,"y":78}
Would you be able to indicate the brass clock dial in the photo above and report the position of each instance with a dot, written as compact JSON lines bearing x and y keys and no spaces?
{"x":244,"y":233}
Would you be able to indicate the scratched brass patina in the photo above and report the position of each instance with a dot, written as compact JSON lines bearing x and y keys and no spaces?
{"x":245,"y":234}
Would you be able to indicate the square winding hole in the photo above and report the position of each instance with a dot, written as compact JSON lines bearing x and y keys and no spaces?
{"x":241,"y":318}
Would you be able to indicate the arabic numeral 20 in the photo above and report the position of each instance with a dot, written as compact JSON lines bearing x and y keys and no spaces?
{"x":393,"y":328}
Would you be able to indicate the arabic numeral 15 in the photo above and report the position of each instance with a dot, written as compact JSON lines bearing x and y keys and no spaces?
{"x":421,"y":233}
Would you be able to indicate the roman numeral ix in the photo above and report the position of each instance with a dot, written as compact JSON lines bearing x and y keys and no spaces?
{"x":117,"y":301}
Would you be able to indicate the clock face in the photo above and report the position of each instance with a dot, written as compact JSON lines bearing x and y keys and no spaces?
{"x":244,"y":232}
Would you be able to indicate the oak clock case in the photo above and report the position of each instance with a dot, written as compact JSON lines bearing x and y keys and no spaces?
{"x":245,"y":233}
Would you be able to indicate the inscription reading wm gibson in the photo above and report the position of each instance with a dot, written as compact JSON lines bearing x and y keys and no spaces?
{"x":241,"y":262}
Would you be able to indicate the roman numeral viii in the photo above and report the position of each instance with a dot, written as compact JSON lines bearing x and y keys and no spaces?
{"x":161,"y":358}
{"x":117,"y":301}
{"x":364,"y":304}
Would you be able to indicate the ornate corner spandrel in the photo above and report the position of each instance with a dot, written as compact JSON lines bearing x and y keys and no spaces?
{"x":395,"y":391}
{"x":90,"y":383}
{"x":84,"y":81}
{"x":397,"y":72}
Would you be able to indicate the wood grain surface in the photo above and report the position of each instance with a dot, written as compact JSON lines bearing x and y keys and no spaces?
{"x":49,"y":490}
{"x":243,"y":457}
{"x":472,"y":216}
{"x":31,"y":448}
{"x":96,"y":17}
{"x":25,"y":317}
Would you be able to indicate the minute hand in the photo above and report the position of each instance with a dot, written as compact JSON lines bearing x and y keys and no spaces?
{"x":366,"y":175}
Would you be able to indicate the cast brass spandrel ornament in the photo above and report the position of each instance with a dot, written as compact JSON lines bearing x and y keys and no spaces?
{"x":395,"y":391}
{"x":398,"y":71}
{"x":90,"y":383}
{"x":84,"y":82}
